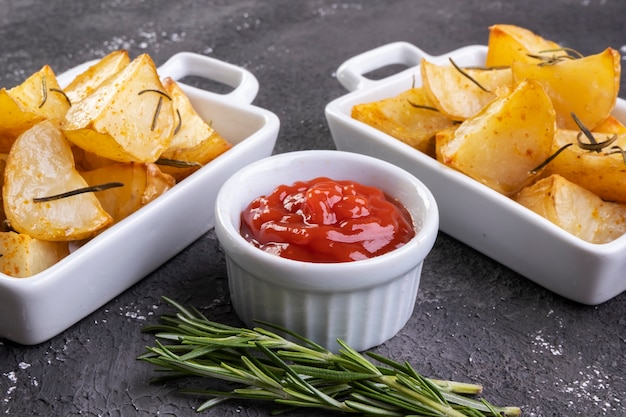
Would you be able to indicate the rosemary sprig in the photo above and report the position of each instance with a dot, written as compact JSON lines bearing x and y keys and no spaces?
{"x":90,"y":189}
{"x":295,"y":372}
{"x":592,"y":146}
{"x":546,"y":60}
{"x":423,"y":106}
{"x":466,"y":75}
{"x":162,"y":94}
{"x":178,"y":163}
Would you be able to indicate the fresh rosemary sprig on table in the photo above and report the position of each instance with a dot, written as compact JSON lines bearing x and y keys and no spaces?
{"x":297,"y":372}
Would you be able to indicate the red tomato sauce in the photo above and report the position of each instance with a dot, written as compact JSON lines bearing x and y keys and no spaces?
{"x":326,"y":221}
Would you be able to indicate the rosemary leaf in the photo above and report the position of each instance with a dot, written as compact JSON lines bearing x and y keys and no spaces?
{"x":371,"y":410}
{"x":177,"y":163}
{"x":91,"y":189}
{"x":330,"y":374}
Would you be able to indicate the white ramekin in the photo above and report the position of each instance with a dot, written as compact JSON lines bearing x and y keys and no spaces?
{"x":365,"y":302}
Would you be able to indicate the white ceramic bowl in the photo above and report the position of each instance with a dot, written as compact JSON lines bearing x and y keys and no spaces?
{"x":37,"y":308}
{"x":363,"y":302}
{"x":471,"y":212}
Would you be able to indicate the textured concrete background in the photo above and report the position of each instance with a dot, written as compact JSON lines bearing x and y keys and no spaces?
{"x":475,"y":320}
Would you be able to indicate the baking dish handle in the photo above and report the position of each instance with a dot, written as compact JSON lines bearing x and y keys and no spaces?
{"x":183,"y":64}
{"x":350,"y":73}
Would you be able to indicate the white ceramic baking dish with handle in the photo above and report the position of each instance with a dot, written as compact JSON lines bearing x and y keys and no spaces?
{"x":471,"y":212}
{"x":34,"y":309}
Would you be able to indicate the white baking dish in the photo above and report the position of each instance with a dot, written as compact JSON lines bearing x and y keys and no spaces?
{"x":37,"y":308}
{"x":469,"y":211}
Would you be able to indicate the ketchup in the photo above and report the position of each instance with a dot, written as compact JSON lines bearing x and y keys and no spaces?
{"x":326,"y":221}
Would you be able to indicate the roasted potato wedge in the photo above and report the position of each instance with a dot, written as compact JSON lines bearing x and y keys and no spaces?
{"x":600,"y":172}
{"x":129,"y":118}
{"x":14,"y":119}
{"x":142,"y":184}
{"x":194,"y":141}
{"x":506,"y":140}
{"x":587,"y":87}
{"x":410,"y":117}
{"x":87,"y":82}
{"x":611,"y":125}
{"x":38,"y":98}
{"x":511,"y":43}
{"x":575,"y":209}
{"x":461,"y":93}
{"x":24,"y":256}
{"x":40,"y":164}
{"x":87,"y":161}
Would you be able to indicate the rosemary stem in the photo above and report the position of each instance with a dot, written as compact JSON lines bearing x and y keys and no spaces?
{"x":444,"y":409}
{"x":458,"y":387}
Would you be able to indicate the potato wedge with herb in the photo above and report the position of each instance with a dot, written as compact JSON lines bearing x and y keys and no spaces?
{"x":511,"y":43}
{"x":460,"y":93}
{"x":587,"y":87}
{"x":38,"y":98}
{"x":501,"y":144}
{"x":410,"y":117}
{"x":601,"y":172}
{"x":129,"y":118}
{"x":39,"y":165}
{"x":86,"y":82}
{"x":575,"y":209}
{"x":142,"y":184}
{"x":24,"y":256}
{"x":195,"y":142}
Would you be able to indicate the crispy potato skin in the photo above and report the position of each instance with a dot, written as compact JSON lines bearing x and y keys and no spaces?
{"x":511,"y":43}
{"x":410,"y":117}
{"x":24,"y":256}
{"x":575,"y":209}
{"x":602,"y":173}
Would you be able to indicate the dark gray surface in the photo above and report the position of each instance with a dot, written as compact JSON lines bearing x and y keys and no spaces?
{"x":475,"y":320}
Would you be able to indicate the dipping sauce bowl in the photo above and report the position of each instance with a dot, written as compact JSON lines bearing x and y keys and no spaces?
{"x":363,"y":302}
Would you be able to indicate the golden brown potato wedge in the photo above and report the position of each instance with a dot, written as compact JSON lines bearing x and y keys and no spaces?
{"x":86,"y":82}
{"x":142,"y":184}
{"x":40,"y":164}
{"x":24,"y":256}
{"x":410,"y":117}
{"x":194,"y":141}
{"x":611,"y":125}
{"x":511,"y":43}
{"x":587,"y":87}
{"x":38,"y":98}
{"x":501,"y":144}
{"x":86,"y":161}
{"x":129,"y":118}
{"x":461,"y":93}
{"x":14,"y":119}
{"x":603,"y":174}
{"x":575,"y":209}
